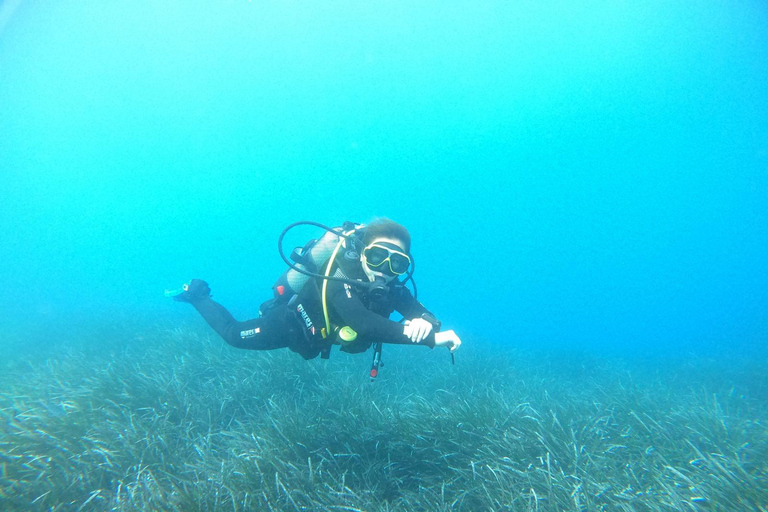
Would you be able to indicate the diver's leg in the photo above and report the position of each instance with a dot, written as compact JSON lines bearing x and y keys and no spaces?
{"x":265,"y":333}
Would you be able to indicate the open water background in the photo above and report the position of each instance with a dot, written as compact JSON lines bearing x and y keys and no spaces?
{"x":575,"y":175}
{"x":586,"y":184}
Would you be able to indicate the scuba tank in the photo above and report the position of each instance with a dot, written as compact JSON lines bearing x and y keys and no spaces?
{"x":316,"y":260}
{"x":310,"y":261}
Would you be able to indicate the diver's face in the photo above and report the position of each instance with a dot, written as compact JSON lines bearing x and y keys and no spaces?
{"x":382,"y":270}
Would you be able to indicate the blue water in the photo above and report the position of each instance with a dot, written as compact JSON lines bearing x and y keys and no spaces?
{"x":578,"y":176}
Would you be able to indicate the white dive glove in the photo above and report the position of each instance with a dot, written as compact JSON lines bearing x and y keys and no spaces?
{"x":447,"y":339}
{"x":417,"y":329}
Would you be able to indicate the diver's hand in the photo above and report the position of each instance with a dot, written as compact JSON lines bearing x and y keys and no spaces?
{"x":417,"y":329}
{"x":447,"y":339}
{"x":192,"y":291}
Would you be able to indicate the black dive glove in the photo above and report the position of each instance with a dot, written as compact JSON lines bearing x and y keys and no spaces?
{"x":193,"y":291}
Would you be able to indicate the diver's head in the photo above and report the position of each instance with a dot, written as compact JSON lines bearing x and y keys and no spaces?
{"x":386,"y":250}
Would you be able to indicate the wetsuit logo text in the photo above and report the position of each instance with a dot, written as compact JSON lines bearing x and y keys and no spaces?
{"x":305,"y":317}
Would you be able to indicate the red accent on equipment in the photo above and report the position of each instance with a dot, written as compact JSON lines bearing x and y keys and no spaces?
{"x":280,"y":290}
{"x":374,"y":373}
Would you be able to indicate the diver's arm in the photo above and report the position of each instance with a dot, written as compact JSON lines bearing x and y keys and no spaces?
{"x":344,"y":300}
{"x":419,"y":321}
{"x":407,"y":305}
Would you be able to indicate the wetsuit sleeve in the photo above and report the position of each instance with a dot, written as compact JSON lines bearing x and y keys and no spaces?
{"x":257,"y":334}
{"x":408,"y":306}
{"x":344,"y":300}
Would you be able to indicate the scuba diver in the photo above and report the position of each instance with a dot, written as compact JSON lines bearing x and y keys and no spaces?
{"x":339,"y":290}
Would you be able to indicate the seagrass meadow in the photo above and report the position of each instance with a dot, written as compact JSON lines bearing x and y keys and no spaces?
{"x":160,"y":418}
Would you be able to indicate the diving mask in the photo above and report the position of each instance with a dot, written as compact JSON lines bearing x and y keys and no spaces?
{"x":378,"y":253}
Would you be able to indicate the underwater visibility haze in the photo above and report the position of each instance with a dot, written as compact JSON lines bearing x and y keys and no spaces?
{"x":586,"y":186}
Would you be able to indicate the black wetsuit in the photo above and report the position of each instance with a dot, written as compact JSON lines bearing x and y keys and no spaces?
{"x":297,"y":323}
